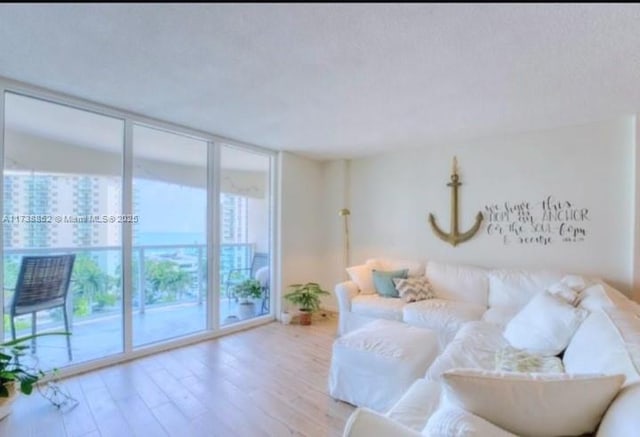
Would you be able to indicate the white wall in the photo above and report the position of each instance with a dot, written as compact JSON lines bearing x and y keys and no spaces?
{"x":300,"y":220}
{"x":334,"y":198}
{"x":636,"y":215}
{"x":591,"y":166}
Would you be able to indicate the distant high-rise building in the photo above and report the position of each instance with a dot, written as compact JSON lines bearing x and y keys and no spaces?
{"x":233,"y":231}
{"x":71,"y":197}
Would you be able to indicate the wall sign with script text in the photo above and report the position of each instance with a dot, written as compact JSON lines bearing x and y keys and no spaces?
{"x":540,"y":222}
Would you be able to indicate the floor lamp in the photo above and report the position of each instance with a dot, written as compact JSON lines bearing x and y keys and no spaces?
{"x":344,"y":212}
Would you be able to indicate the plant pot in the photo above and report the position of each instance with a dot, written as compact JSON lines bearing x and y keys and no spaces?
{"x":246,"y":310}
{"x":305,"y":317}
{"x":285,"y":318}
{"x":5,"y":403}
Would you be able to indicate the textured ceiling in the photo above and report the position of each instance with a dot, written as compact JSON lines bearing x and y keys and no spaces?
{"x":336,"y":80}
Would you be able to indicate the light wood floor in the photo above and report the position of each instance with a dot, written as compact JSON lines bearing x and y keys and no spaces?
{"x":268,"y":381}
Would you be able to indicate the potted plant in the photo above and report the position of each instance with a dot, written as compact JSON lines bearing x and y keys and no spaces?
{"x":307,"y":297}
{"x":16,"y":376}
{"x":246,"y":291}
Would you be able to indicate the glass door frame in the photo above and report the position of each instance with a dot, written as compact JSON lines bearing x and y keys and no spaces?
{"x":214,"y":145}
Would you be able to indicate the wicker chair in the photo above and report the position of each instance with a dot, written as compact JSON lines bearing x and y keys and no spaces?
{"x":43,"y":283}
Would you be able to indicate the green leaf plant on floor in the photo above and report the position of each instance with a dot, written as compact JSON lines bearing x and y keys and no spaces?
{"x":14,"y":372}
{"x":306,"y":296}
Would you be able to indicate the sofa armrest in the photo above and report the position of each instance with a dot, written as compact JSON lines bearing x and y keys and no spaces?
{"x":368,"y":423}
{"x":345,"y":291}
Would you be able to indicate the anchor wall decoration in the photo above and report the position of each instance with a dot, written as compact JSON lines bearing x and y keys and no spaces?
{"x":455,"y":237}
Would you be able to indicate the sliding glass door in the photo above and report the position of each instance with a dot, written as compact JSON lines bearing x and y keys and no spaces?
{"x":62,"y":196}
{"x":193,"y":255}
{"x":169,"y":236}
{"x":245,"y":255}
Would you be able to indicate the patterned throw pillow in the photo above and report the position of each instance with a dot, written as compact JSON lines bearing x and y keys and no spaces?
{"x":414,"y":288}
{"x":510,"y":359}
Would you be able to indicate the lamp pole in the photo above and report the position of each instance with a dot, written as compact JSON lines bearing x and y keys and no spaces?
{"x":344,"y":212}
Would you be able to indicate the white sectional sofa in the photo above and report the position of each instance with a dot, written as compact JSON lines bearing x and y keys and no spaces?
{"x":463,"y":294}
{"x":472,"y":307}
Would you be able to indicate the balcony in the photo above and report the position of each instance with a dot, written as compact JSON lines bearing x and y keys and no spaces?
{"x":169,"y":298}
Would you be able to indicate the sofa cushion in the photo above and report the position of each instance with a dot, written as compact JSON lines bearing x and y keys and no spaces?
{"x":545,"y":325}
{"x":534,"y":404}
{"x":443,"y":316}
{"x":415,"y":268}
{"x":417,"y":404}
{"x":372,"y":305}
{"x":515,"y":287}
{"x":455,"y":422}
{"x":383,"y":281}
{"x":459,"y":282}
{"x":608,"y":341}
{"x":474,"y":346}
{"x":500,"y":315}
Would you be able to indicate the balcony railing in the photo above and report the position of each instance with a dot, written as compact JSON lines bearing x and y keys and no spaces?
{"x":163,"y":275}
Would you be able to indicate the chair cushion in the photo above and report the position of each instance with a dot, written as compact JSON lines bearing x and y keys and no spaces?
{"x":459,"y":282}
{"x":444,"y":316}
{"x":372,"y":305}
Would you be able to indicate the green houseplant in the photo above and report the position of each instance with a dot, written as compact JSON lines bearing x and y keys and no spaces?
{"x":307,"y":297}
{"x":17,"y":376}
{"x":246,"y":291}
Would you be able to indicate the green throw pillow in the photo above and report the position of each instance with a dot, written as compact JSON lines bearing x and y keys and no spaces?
{"x":383,"y":282}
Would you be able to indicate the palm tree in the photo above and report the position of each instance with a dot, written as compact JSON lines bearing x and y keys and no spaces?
{"x":90,"y":282}
{"x":166,"y":278}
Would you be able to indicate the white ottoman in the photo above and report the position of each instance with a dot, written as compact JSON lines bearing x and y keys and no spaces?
{"x":373,"y":366}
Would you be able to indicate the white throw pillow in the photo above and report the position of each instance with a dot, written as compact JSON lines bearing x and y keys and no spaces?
{"x":455,"y":422}
{"x":533,"y":404}
{"x":362,"y":275}
{"x":608,"y":341}
{"x":544,"y":326}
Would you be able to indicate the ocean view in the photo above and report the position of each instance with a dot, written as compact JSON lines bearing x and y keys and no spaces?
{"x":159,"y":238}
